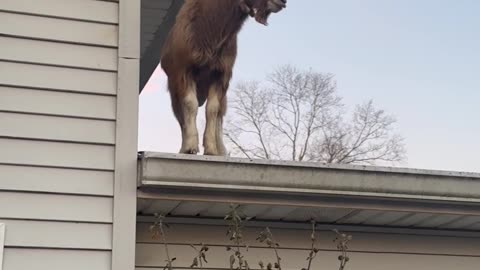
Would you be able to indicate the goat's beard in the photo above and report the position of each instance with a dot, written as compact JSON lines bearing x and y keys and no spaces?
{"x":261,"y":9}
{"x":261,"y":16}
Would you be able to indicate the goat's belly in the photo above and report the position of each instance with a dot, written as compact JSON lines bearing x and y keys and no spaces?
{"x":204,"y":77}
{"x":201,"y":98}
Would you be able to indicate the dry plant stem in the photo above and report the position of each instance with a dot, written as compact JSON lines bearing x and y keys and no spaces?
{"x":157,"y":229}
{"x":200,"y":257}
{"x":237,"y":238}
{"x":344,"y":260}
{"x":267,"y":237}
{"x":164,"y":237}
{"x":342,"y":240}
{"x":236,"y":224}
{"x":313,"y":250}
{"x":275,"y":249}
{"x":235,"y":232}
{"x":237,"y":244}
{"x":342,"y":263}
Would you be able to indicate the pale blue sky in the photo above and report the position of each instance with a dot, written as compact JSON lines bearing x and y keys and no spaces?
{"x":417,"y":59}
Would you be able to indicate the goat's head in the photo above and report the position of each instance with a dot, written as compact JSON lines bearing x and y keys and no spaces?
{"x":261,"y":9}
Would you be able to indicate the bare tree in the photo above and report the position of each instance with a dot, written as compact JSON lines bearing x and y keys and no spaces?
{"x":297,"y":115}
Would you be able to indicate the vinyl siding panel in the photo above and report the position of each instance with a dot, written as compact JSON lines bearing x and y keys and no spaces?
{"x":34,"y":206}
{"x":55,"y":259}
{"x":56,"y":154}
{"x":358,"y":261}
{"x":367,"y":250}
{"x":54,"y":29}
{"x":57,"y":78}
{"x":57,"y":103}
{"x":54,"y":53}
{"x":97,"y":11}
{"x":299,"y":239}
{"x":58,"y":85}
{"x":49,"y":234}
{"x":295,"y":259}
{"x":57,"y":128}
{"x":56,"y":180}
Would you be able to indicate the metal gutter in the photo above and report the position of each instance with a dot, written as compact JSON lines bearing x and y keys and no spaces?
{"x":249,"y":177}
{"x":171,"y":156}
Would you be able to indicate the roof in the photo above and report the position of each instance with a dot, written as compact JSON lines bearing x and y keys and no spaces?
{"x":157,"y":17}
{"x":200,"y":186}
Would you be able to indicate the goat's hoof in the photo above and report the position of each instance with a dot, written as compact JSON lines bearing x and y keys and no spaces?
{"x":190,"y":151}
{"x":210,"y":152}
{"x":221,"y":149}
{"x":217,"y":153}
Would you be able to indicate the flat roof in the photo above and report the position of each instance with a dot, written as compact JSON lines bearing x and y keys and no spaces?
{"x":203,"y":186}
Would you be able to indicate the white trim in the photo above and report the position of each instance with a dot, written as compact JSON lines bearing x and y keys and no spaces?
{"x":125,"y":196}
{"x":2,"y":243}
{"x":129,"y":30}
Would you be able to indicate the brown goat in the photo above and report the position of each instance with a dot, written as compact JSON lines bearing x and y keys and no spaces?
{"x":198,"y":57}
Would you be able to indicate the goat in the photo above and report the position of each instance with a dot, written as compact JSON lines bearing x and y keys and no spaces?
{"x":198,"y":57}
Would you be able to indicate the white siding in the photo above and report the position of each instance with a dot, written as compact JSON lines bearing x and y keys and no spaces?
{"x":34,"y":101}
{"x":37,"y":206}
{"x":62,"y":54}
{"x":96,"y":11}
{"x":46,"y":28}
{"x":56,"y":180}
{"x":367,"y":250}
{"x":65,"y":129}
{"x":87,"y":236}
{"x":57,"y":78}
{"x":58,"y":85}
{"x":55,"y":259}
{"x":55,"y":154}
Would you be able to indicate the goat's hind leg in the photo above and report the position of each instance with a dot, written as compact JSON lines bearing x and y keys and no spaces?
{"x":215,"y":110}
{"x":219,"y":130}
{"x":185,"y":107}
{"x":211,"y":114}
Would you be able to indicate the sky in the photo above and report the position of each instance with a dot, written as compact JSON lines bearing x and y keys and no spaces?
{"x":418,"y":60}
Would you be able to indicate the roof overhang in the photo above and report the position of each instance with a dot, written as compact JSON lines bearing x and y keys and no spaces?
{"x":157,"y":17}
{"x":200,"y":186}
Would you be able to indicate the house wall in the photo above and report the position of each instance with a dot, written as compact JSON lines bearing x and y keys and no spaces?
{"x":63,"y":143}
{"x":368,"y":251}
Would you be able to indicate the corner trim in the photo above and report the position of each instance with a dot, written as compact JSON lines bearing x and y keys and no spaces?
{"x":124,"y":200}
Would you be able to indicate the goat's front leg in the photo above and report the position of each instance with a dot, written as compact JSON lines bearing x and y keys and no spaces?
{"x":189,"y":109}
{"x":212,"y":112}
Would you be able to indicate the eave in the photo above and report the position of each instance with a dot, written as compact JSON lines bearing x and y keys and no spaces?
{"x":296,"y":192}
{"x":157,"y":17}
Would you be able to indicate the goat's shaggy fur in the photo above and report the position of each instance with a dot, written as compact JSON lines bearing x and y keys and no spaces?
{"x":198,"y":57}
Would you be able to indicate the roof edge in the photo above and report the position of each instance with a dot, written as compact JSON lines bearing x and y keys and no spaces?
{"x":314,"y":165}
